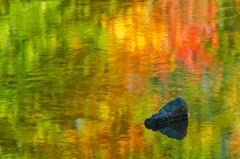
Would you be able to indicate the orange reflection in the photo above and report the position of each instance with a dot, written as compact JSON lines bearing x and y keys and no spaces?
{"x":234,"y":142}
{"x":148,"y":40}
{"x":157,"y":37}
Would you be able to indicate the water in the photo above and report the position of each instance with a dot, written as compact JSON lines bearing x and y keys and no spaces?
{"x":78,"y":78}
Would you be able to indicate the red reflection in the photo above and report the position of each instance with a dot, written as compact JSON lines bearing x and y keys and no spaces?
{"x":190,"y":25}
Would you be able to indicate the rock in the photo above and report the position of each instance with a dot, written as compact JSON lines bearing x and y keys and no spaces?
{"x":175,"y":111}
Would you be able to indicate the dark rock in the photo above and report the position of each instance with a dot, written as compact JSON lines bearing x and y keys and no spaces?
{"x":170,"y":116}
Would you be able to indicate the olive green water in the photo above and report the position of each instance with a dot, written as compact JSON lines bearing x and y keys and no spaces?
{"x":79,"y":77}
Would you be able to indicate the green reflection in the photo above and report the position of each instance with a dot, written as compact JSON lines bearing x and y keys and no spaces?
{"x":78,"y":78}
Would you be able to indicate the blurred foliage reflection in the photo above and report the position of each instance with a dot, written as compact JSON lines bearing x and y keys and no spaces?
{"x":78,"y":78}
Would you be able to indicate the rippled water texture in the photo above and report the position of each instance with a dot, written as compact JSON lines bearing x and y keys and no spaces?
{"x":79,"y":77}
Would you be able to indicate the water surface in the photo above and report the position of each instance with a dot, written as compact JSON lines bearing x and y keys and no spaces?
{"x":78,"y":78}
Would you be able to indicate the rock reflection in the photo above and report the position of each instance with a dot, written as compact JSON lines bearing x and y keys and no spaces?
{"x":176,"y":130}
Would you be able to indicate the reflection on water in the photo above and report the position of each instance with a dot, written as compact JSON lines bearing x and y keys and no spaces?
{"x":176,"y":130}
{"x":78,"y":78}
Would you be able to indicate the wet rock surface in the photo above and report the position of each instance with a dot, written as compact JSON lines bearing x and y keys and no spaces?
{"x":171,"y":120}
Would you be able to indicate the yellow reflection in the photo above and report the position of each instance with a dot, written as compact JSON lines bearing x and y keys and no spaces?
{"x":120,"y":30}
{"x":104,"y":111}
{"x":206,"y":136}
